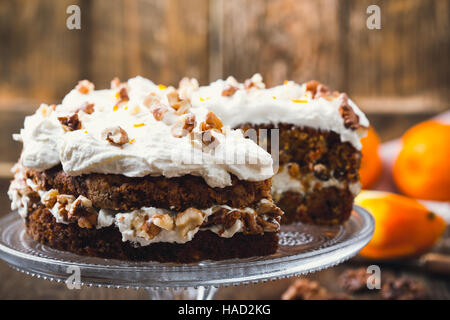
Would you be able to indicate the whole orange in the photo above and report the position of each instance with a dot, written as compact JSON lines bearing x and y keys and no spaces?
{"x":403,"y":226}
{"x":371,"y":165}
{"x":422,"y":168}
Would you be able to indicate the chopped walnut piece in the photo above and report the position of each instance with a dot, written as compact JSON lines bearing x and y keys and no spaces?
{"x":151,"y":229}
{"x":190,"y":122}
{"x":174,"y":99}
{"x":85,"y":86}
{"x":158,"y":112}
{"x":228,"y":90}
{"x":250,"y":223}
{"x":293,"y":169}
{"x":123,"y":94}
{"x":163,"y":221}
{"x":212,"y":122}
{"x":403,"y":289}
{"x":82,"y":212}
{"x":184,"y":107}
{"x":255,"y":81}
{"x":186,"y":87}
{"x":351,"y":119}
{"x":322,"y":91}
{"x":151,"y":100}
{"x":184,"y":126}
{"x":354,"y":280}
{"x":222,"y":216}
{"x":87,"y":222}
{"x":209,"y":140}
{"x":50,"y":198}
{"x":311,"y":86}
{"x":63,"y":203}
{"x":115,"y":83}
{"x":116,"y":136}
{"x":267,"y":225}
{"x":321,"y":172}
{"x":248,"y":84}
{"x":86,"y":107}
{"x":304,"y":289}
{"x":268,"y":208}
{"x":196,"y":139}
{"x":71,"y":123}
{"x":188,"y":220}
{"x":317,"y":89}
{"x":230,"y":218}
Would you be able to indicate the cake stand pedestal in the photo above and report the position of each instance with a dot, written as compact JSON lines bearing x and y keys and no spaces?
{"x":303,"y":249}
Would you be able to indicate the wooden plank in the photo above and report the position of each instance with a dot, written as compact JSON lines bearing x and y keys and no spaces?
{"x":408,"y":56}
{"x":407,"y":104}
{"x":216,"y":54}
{"x":5,"y":170}
{"x":39,"y":55}
{"x":329,"y":41}
{"x":162,"y":40}
{"x":282,"y":39}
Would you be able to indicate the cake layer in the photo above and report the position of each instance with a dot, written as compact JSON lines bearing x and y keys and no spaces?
{"x":107,"y":242}
{"x":315,"y":151}
{"x":326,"y":206}
{"x":118,"y":192}
{"x":145,"y":225}
{"x":311,"y":198}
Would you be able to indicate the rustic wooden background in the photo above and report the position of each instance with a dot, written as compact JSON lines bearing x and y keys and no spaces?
{"x":403,"y":67}
{"x":399,"y":75}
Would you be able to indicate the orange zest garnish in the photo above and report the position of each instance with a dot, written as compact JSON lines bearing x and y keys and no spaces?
{"x":115,"y":108}
{"x":132,"y":141}
{"x":201,"y":99}
{"x":137,"y":125}
{"x":299,"y":101}
{"x":117,"y":95}
{"x":162,"y":87}
{"x":286,"y":81}
{"x":274,"y":97}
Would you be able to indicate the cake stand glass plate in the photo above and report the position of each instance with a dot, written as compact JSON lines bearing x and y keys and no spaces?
{"x":303,"y":249}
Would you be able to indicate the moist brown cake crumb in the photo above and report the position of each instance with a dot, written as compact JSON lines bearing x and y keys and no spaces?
{"x":326,"y":206}
{"x":118,"y":192}
{"x":321,"y":153}
{"x":107,"y":242}
{"x":308,"y":147}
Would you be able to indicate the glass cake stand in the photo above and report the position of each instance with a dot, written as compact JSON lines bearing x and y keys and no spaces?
{"x":303,"y":249}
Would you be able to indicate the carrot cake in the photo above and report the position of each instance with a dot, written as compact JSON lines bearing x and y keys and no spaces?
{"x":312,"y":132}
{"x":134,"y":173}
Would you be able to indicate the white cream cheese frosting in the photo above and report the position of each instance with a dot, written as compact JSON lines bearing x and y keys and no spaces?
{"x":287,"y":103}
{"x":151,"y":149}
{"x":283,"y":182}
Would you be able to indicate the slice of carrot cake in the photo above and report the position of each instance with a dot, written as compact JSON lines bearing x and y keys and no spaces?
{"x":313,"y":133}
{"x":133,"y":172}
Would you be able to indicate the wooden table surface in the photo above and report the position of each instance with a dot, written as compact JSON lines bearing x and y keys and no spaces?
{"x":15,"y":285}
